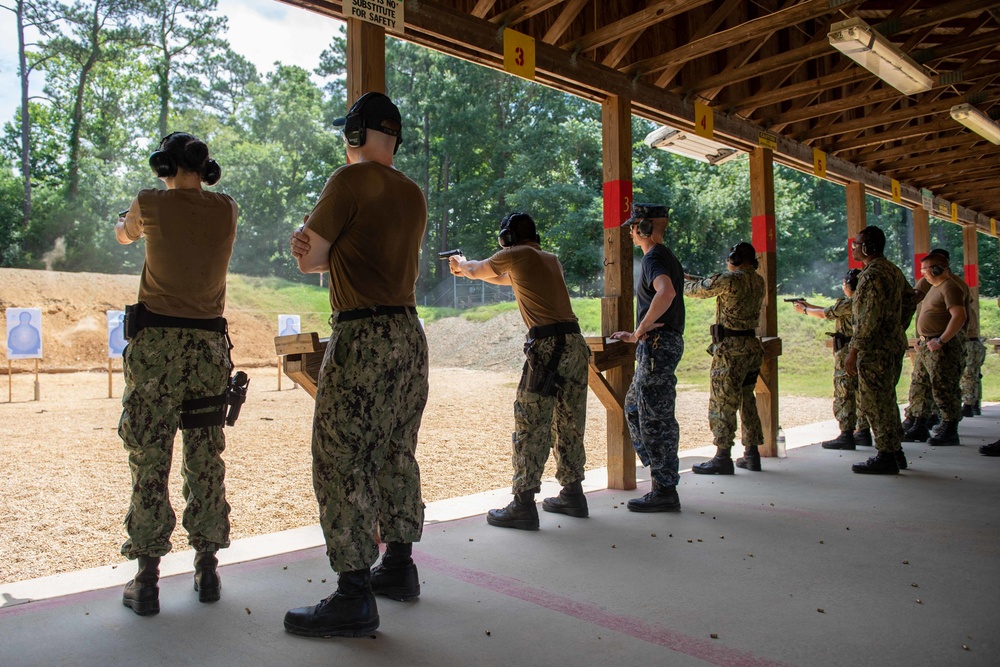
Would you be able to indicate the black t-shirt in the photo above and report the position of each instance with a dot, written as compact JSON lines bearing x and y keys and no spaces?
{"x":659,"y":261}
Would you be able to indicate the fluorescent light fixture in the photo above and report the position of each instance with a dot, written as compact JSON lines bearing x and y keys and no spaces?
{"x":862,"y":44}
{"x":690,"y":145}
{"x":977,"y":121}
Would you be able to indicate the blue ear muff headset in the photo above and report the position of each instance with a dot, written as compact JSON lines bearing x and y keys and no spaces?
{"x":355,"y":130}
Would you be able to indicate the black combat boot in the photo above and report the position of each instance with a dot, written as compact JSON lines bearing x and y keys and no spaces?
{"x":908,"y":423}
{"x":863,"y":438}
{"x":396,"y":576}
{"x":660,"y":499}
{"x":883,"y":463}
{"x":992,"y":449}
{"x":978,"y":408}
{"x":843,"y":441}
{"x":750,"y":459}
{"x":945,"y":435}
{"x":968,"y":410}
{"x":142,"y":594}
{"x":900,"y":459}
{"x":521,"y":513}
{"x":350,"y":612}
{"x":206,"y":577}
{"x":720,"y":464}
{"x":571,"y":501}
{"x":918,"y":432}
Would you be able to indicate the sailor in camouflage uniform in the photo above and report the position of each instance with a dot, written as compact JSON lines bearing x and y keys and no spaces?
{"x":177,"y":358}
{"x":550,"y":410}
{"x":366,"y":230}
{"x":659,"y":338}
{"x":877,"y":348}
{"x":854,"y":429}
{"x":737,"y":355}
{"x":939,"y":359}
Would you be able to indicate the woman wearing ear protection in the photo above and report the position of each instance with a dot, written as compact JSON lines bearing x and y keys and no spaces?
{"x":736,"y":358}
{"x":177,"y":366}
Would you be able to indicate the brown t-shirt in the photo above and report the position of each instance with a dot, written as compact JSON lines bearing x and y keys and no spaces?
{"x":934,"y":315}
{"x":189,"y":239}
{"x":375,"y":218}
{"x":539,"y":286}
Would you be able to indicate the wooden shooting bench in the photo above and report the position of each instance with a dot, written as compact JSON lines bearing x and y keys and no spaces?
{"x":301,"y":356}
{"x":994,"y":343}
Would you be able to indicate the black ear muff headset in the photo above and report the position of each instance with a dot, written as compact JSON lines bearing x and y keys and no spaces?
{"x":936,"y":270}
{"x":733,"y":257}
{"x":507,"y":237}
{"x":355,"y":130}
{"x":644,"y":227}
{"x":161,"y":162}
{"x":164,"y":165}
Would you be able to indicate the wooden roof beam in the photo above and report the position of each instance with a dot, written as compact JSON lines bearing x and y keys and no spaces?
{"x":523,"y":11}
{"x":811,"y":51}
{"x":706,"y":29}
{"x":934,"y":158}
{"x":564,"y":21}
{"x":964,"y":139}
{"x":953,"y":173}
{"x":745,"y":54}
{"x":908,"y":132}
{"x":908,"y":113}
{"x":482,"y":8}
{"x":640,"y":20}
{"x":765,"y":25}
{"x":885,"y":94}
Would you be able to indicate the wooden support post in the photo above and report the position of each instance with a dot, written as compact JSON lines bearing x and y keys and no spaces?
{"x":857,"y":219}
{"x":38,"y":387}
{"x":617,"y":309}
{"x":765,"y":243}
{"x":970,"y":248}
{"x":279,"y":373}
{"x":10,"y":380}
{"x":365,"y":59}
{"x":110,"y":392}
{"x":921,"y":238}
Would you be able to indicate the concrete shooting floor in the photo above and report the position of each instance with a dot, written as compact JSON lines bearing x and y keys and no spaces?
{"x":804,"y":563}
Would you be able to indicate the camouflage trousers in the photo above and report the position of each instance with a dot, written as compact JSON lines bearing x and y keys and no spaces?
{"x":370,"y":397}
{"x":551,"y":420}
{"x":736,"y":362}
{"x":878,"y":373}
{"x":972,"y":375}
{"x":649,"y":405}
{"x":162,"y":368}
{"x":938,"y":375}
{"x":845,"y":396}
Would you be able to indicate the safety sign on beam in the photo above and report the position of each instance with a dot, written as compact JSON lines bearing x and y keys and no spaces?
{"x":385,"y":13}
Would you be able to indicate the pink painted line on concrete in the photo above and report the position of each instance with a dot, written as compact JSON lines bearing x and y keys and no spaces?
{"x":708,"y":650}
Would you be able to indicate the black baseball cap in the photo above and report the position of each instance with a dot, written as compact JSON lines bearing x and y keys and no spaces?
{"x":374,"y":109}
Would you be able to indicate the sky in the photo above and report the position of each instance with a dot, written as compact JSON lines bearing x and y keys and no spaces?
{"x":263,"y":31}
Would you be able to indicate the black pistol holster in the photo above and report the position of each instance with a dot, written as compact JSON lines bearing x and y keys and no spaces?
{"x":542,"y":379}
{"x":196,"y":412}
{"x":719,"y":333}
{"x":840,"y":341}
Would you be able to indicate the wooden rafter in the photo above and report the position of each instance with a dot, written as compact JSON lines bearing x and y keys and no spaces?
{"x":640,"y":20}
{"x":764,"y":25}
{"x":935,"y":158}
{"x":523,"y":11}
{"x":965,"y":139}
{"x":564,"y":21}
{"x":482,"y":8}
{"x":706,"y":29}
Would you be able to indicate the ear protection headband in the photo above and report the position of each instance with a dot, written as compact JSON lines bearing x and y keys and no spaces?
{"x":936,"y":270}
{"x":644,"y":228}
{"x":161,"y":162}
{"x":164,"y":165}
{"x":355,"y":130}
{"x":507,"y":237}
